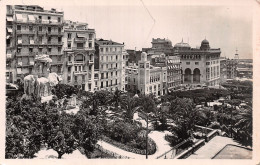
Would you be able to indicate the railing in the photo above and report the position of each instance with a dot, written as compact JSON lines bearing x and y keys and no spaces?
{"x":55,"y":33}
{"x":25,"y":32}
{"x":79,"y":39}
{"x":81,"y":72}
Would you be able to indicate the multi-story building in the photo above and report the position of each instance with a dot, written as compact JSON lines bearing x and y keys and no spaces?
{"x":31,"y":30}
{"x":160,"y":46}
{"x":173,"y":73}
{"x":110,"y":63}
{"x":134,"y":56}
{"x":151,"y":80}
{"x":231,"y":68}
{"x":132,"y":78}
{"x":223,"y":69}
{"x":245,"y":68}
{"x":78,"y":63}
{"x":199,"y":65}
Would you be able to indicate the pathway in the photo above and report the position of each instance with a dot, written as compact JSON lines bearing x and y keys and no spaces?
{"x":211,"y":148}
{"x":161,"y":144}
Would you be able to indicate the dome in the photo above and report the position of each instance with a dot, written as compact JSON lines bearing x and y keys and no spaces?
{"x":205,"y":41}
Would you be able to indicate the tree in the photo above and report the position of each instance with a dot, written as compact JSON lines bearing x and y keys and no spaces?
{"x":116,"y":98}
{"x":146,"y":106}
{"x":60,"y":90}
{"x":185,"y":115}
{"x":129,"y":105}
{"x":244,"y":126}
{"x":62,"y":139}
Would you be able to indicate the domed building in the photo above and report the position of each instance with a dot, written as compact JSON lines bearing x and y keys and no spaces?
{"x":199,"y":65}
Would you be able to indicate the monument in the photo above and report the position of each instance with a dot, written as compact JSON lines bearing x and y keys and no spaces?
{"x":41,"y":81}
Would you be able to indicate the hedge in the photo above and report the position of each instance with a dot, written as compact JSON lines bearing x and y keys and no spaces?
{"x":131,"y":149}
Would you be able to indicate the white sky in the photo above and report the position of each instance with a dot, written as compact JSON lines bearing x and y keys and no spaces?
{"x":225,"y":26}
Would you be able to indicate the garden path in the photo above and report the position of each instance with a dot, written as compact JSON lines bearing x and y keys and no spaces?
{"x":161,"y":144}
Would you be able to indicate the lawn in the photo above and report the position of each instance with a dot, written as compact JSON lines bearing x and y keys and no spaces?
{"x":233,"y":152}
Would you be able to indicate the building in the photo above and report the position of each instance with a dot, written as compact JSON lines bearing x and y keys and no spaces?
{"x":134,"y":56}
{"x":110,"y":63}
{"x":79,"y":50}
{"x":174,"y":77}
{"x":31,"y":30}
{"x":146,"y":78}
{"x":160,"y":46}
{"x":223,"y":70}
{"x":231,"y":68}
{"x":245,"y":68}
{"x":199,"y":65}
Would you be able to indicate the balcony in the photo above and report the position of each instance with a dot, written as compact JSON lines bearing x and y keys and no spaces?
{"x":80,"y":40}
{"x":90,"y":62}
{"x":55,"y":33}
{"x":80,"y":72}
{"x":54,"y":43}
{"x":78,"y":62}
{"x":25,"y":32}
{"x":82,"y":48}
{"x":57,"y":63}
{"x":21,"y":54}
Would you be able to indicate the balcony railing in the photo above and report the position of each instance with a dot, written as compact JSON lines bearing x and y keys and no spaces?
{"x":79,"y":39}
{"x":80,"y":72}
{"x":57,"y":63}
{"x":25,"y":32}
{"x":54,"y":43}
{"x":54,"y":33}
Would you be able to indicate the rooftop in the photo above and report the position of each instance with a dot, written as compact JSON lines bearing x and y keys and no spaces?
{"x":106,"y":42}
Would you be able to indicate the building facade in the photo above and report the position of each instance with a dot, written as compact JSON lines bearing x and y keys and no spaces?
{"x":231,"y":68}
{"x":79,"y":49}
{"x":32,"y":31}
{"x":174,"y":77}
{"x":160,"y":46}
{"x":223,"y":70}
{"x":151,"y":80}
{"x":199,"y":65}
{"x":110,"y":65}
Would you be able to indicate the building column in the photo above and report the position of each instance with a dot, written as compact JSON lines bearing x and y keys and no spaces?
{"x":191,"y":78}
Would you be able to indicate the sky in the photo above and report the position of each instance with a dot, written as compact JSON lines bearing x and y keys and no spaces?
{"x":136,"y":22}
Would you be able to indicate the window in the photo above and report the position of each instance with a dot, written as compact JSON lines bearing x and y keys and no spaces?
{"x":111,"y":58}
{"x":58,"y":19}
{"x":59,"y":49}
{"x":107,"y":59}
{"x":40,"y":50}
{"x":40,"y":39}
{"x":49,"y":50}
{"x":116,"y":81}
{"x":207,"y":63}
{"x":116,"y":65}
{"x":111,"y":74}
{"x":59,"y":58}
{"x":102,"y":75}
{"x":69,"y":35}
{"x":90,"y":45}
{"x":101,"y":58}
{"x":115,"y":49}
{"x":83,"y":77}
{"x":187,"y":63}
{"x":106,"y":83}
{"x":116,"y":57}
{"x":59,"y":30}
{"x":76,"y":78}
{"x":49,"y":39}
{"x":101,"y":50}
{"x":69,"y":78}
{"x":196,"y":63}
{"x":101,"y":84}
{"x":30,"y":28}
{"x":30,"y":50}
{"x":40,"y":17}
{"x":69,"y":68}
{"x":76,"y":68}
{"x":116,"y":73}
{"x":49,"y":17}
{"x":107,"y":75}
{"x":18,"y":27}
{"x":69,"y":45}
{"x":49,"y":29}
{"x":90,"y":36}
{"x":79,"y":45}
{"x":106,"y":49}
{"x":59,"y":39}
{"x":59,"y":69}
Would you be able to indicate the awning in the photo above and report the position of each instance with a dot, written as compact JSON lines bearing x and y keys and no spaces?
{"x":9,"y":18}
{"x":80,"y":35}
{"x":19,"y":17}
{"x":10,"y":30}
{"x":31,"y":18}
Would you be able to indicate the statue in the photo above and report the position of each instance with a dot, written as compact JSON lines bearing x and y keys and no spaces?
{"x":41,"y":82}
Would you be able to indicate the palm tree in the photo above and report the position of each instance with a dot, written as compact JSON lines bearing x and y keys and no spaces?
{"x":129,"y":105}
{"x":116,"y":98}
{"x":244,"y":126}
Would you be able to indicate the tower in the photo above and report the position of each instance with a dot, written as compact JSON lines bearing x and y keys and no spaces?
{"x":143,"y":73}
{"x":236,"y":55}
